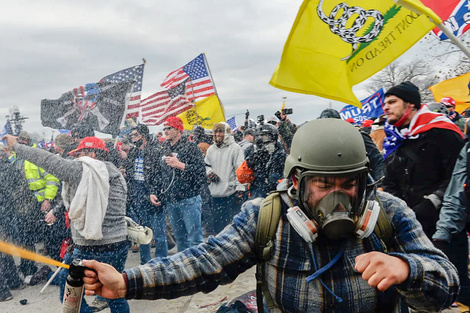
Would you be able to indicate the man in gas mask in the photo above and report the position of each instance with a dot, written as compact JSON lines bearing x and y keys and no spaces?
{"x":325,"y":254}
{"x":264,"y":160}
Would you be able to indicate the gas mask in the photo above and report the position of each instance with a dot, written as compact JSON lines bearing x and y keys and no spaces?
{"x":263,"y":141}
{"x":335,"y":216}
{"x":270,"y":147}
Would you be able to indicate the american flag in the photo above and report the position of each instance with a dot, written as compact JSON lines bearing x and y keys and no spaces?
{"x":156,"y":108}
{"x":231,"y":123}
{"x":199,"y":84}
{"x":134,"y":73}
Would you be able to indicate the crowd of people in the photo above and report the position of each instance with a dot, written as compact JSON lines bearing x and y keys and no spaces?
{"x":338,"y":189}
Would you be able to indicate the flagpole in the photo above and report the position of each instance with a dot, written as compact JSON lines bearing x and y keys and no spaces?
{"x":213,"y":83}
{"x":421,"y":9}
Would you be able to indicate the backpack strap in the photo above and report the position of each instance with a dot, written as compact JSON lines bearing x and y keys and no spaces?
{"x":383,"y":228}
{"x":268,"y":220}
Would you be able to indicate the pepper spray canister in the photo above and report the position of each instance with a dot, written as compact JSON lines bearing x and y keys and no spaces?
{"x":74,"y":288}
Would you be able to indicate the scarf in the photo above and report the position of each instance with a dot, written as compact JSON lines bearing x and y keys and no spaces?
{"x":423,"y":121}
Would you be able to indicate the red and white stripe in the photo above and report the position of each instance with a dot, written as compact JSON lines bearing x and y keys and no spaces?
{"x":133,"y":104}
{"x":199,"y":88}
{"x":156,"y":108}
{"x":174,"y":78}
{"x":425,"y":120}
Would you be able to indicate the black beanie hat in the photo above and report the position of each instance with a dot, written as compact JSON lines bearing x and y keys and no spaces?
{"x":407,"y":91}
{"x":143,"y":130}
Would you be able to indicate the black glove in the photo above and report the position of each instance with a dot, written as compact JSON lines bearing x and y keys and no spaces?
{"x":213,"y":178}
{"x":260,"y":156}
{"x":427,"y":214}
{"x":442,"y":245}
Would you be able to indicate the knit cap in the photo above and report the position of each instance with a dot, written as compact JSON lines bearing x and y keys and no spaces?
{"x":175,"y":122}
{"x":407,"y":91}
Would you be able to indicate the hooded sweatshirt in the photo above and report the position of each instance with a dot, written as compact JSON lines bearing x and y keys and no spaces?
{"x":224,"y":161}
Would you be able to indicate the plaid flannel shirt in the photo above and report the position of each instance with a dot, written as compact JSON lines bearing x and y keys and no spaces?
{"x":431,"y":286}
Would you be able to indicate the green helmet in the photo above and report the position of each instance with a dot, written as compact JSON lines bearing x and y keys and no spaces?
{"x":328,"y":147}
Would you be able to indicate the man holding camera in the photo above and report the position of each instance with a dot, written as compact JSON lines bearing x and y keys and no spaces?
{"x":286,"y":128}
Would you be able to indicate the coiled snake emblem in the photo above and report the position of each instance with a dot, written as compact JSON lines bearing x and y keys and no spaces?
{"x":349,"y":35}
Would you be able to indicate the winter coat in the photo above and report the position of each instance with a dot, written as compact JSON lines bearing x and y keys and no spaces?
{"x":152,"y":154}
{"x":224,"y":161}
{"x":421,"y":167}
{"x":267,"y":172}
{"x":375,"y":157}
{"x":15,"y":196}
{"x":173,"y":184}
{"x":286,"y":132}
{"x":245,"y":144}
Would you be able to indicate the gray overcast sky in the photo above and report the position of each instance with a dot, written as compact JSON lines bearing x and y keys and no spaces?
{"x":50,"y":47}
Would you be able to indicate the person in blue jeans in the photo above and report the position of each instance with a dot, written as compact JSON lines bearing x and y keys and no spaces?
{"x":177,"y":185}
{"x":140,"y":167}
{"x":185,"y":219}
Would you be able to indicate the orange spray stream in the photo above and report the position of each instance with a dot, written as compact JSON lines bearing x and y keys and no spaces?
{"x":25,"y":254}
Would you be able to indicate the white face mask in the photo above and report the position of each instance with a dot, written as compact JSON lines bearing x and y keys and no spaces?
{"x":270,"y":147}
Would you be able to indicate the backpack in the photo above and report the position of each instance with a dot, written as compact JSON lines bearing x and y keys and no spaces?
{"x":268,"y":220}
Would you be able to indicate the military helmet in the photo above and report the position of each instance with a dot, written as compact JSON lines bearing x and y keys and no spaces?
{"x":438,"y":107}
{"x":329,"y":113}
{"x":267,"y":130}
{"x":328,"y":147}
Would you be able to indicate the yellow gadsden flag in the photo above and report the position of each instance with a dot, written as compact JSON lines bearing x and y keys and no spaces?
{"x":458,"y":88}
{"x":206,"y":113}
{"x":335,"y":44}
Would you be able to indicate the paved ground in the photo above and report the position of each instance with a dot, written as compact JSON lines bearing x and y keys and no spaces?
{"x":48,"y":301}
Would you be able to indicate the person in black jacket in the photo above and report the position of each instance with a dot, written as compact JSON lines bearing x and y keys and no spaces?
{"x":11,"y":187}
{"x":420,"y":151}
{"x":140,"y":166}
{"x":266,"y":159}
{"x":178,"y":184}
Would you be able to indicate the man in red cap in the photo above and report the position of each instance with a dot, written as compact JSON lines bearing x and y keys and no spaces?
{"x":453,"y":115}
{"x":94,"y":194}
{"x":182,"y":175}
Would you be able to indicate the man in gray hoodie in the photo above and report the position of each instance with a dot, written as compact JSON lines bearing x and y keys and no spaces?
{"x":222,"y":160}
{"x":94,"y":193}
